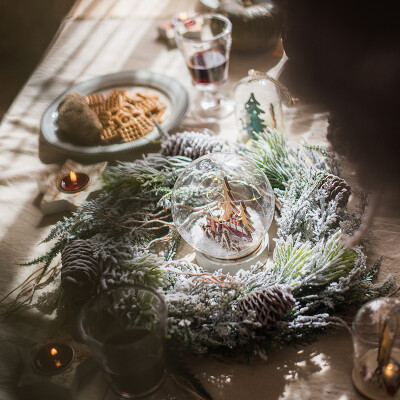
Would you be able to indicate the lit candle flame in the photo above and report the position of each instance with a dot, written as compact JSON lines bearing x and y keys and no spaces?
{"x":389,"y":370}
{"x":54,"y":352}
{"x":72,"y":176}
{"x":183,"y":16}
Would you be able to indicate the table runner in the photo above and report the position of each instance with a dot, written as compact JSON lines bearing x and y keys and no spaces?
{"x":101,"y":37}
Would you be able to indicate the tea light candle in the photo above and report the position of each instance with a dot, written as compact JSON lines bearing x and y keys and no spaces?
{"x":73,"y":182}
{"x":182,"y":16}
{"x":46,"y":372}
{"x":53,"y":358}
{"x":166,"y":28}
{"x":68,"y":188}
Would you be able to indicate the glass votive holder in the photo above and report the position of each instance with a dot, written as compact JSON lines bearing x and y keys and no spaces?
{"x":376,"y":340}
{"x":124,"y":329}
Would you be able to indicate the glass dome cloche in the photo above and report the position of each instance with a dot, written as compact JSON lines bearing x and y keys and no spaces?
{"x":223,"y":206}
{"x":258,"y":98}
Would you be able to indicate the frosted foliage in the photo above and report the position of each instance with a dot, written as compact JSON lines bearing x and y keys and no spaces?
{"x":130,"y":228}
{"x":206,"y":313}
{"x":200,"y":193}
{"x":305,"y":209}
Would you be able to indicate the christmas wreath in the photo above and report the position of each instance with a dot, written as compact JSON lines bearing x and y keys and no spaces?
{"x":126,"y":234}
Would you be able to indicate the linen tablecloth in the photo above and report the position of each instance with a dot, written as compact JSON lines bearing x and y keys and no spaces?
{"x":101,"y":37}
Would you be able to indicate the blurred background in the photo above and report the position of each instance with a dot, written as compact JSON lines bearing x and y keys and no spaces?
{"x":27,"y":28}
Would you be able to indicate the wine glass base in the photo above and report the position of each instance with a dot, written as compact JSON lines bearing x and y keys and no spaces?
{"x":211,"y":111}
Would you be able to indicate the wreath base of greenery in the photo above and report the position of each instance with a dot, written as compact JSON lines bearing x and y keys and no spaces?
{"x":130,"y":229}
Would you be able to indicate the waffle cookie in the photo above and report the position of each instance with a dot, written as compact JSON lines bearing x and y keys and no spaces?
{"x":109,"y":135}
{"x":95,"y":102}
{"x":144,"y":103}
{"x":138,"y":128}
{"x":126,"y":116}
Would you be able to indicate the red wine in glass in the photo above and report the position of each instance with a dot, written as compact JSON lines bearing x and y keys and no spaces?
{"x":208,"y":67}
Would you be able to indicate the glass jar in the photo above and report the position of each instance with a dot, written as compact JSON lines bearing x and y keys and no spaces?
{"x":376,"y":340}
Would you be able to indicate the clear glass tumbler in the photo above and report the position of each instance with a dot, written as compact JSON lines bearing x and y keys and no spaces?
{"x":205,"y":42}
{"x":124,"y":329}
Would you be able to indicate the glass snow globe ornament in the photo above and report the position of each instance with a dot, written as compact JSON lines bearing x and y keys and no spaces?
{"x":223,"y":206}
{"x":258,"y":99}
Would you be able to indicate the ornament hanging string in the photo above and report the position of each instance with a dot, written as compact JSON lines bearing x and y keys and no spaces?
{"x":258,"y":74}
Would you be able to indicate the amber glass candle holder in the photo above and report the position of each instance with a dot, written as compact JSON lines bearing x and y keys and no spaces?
{"x":73,"y":182}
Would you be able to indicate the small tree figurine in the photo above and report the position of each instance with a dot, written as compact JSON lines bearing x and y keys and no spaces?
{"x":252,"y":121}
{"x":246,"y":221}
{"x":233,"y":225}
{"x":229,"y":201}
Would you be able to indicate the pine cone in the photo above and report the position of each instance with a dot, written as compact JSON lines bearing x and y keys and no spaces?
{"x":79,"y":270}
{"x":336,"y":185}
{"x":193,"y":145}
{"x":269,"y":304}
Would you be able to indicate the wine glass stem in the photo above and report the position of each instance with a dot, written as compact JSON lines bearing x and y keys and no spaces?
{"x":209,"y":100}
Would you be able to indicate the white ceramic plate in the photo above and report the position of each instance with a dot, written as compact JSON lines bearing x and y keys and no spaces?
{"x":169,"y":90}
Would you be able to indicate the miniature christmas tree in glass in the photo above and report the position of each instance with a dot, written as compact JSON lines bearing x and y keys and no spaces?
{"x":223,"y":206}
{"x":259,"y":104}
{"x":248,"y":225}
{"x":252,"y":121}
{"x":229,"y":201}
{"x":233,"y":224}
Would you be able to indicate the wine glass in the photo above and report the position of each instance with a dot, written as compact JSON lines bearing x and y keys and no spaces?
{"x":205,"y":42}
